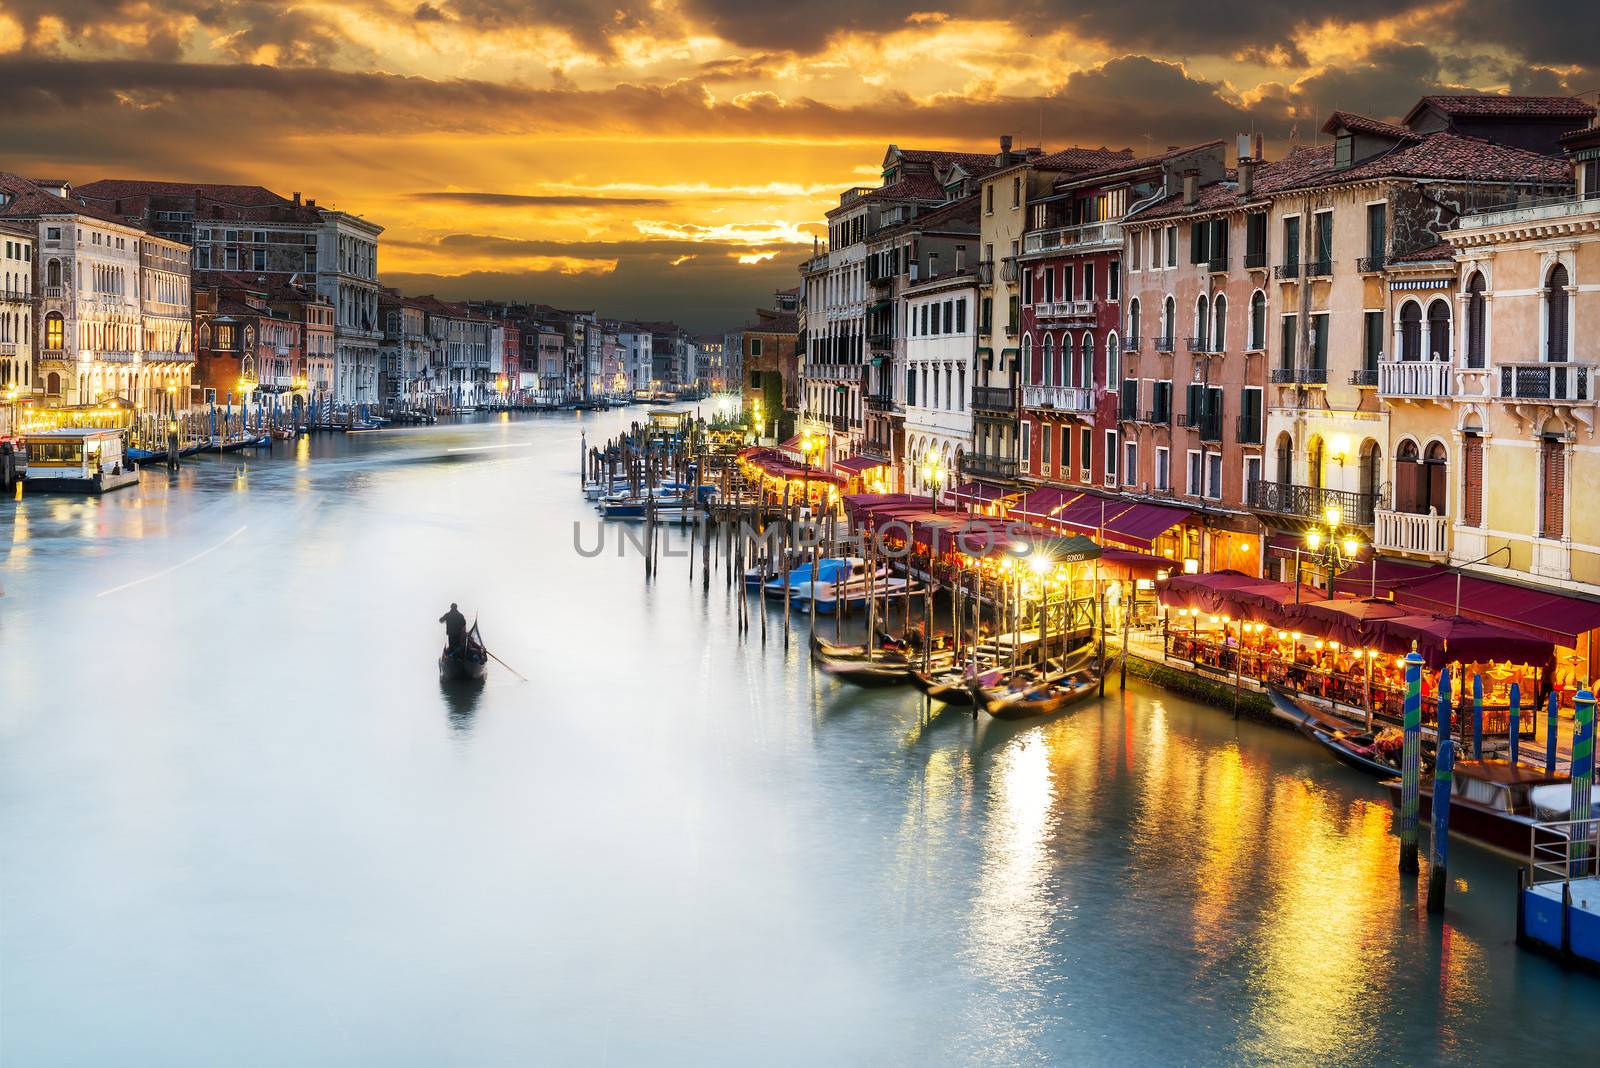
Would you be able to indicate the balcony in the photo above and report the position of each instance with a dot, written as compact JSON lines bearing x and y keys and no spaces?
{"x":1202,"y":345}
{"x":880,"y":341}
{"x":840,"y":423}
{"x":1366,"y":378}
{"x":1405,"y":532}
{"x":994,"y":398}
{"x":14,"y":295}
{"x":979,"y":465}
{"x":1247,"y":430}
{"x":1158,"y":417}
{"x":1008,"y":269}
{"x":880,"y":283}
{"x":986,"y":273}
{"x":1255,"y":261}
{"x":1288,"y":272}
{"x":1070,"y":310}
{"x":1217,"y":265}
{"x":882,"y":402}
{"x":1163,"y":344}
{"x":8,"y":348}
{"x":1310,"y":502}
{"x":1298,"y":376}
{"x":52,"y":292}
{"x":1131,"y":344}
{"x":1549,"y":383}
{"x":1058,"y":398}
{"x":1319,"y":268}
{"x":1073,"y":237}
{"x":1415,"y":380}
{"x":1372,"y":264}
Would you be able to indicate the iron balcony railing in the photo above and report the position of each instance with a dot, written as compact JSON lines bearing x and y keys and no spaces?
{"x":1562,"y":383}
{"x":883,"y":402}
{"x":981,"y":465}
{"x":1163,"y":344}
{"x":1311,"y":502}
{"x":1131,"y":343}
{"x":1298,"y":376}
{"x":1008,"y":269}
{"x":1255,"y":261}
{"x":1366,"y":377}
{"x":1319,"y":268}
{"x":1372,"y":264}
{"x":994,"y":398}
{"x":841,"y":423}
{"x":1217,"y":265}
{"x":1158,"y":417}
{"x":1200,"y":344}
{"x":986,"y":273}
{"x":1247,"y":430}
{"x":1287,"y":271}
{"x":880,"y":341}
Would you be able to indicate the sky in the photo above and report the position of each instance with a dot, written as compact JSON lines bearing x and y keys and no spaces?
{"x":674,"y":158}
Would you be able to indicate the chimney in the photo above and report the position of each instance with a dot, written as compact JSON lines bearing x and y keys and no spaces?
{"x":1247,"y":177}
{"x":1191,"y":189}
{"x":1258,"y":148}
{"x":1005,"y":150}
{"x":961,"y":257}
{"x":297,"y":199}
{"x":310,"y":203}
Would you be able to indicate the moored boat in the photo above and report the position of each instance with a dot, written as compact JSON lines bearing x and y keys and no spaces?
{"x":1377,"y":754}
{"x":1035,"y":697}
{"x":1491,"y":802}
{"x":879,"y":669}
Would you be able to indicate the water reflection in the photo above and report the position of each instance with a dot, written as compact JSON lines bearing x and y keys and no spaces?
{"x":461,"y":698}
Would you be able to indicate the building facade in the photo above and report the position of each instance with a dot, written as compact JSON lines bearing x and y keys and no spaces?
{"x":16,"y":320}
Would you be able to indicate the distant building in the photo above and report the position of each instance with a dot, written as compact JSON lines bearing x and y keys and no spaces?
{"x":16,"y":318}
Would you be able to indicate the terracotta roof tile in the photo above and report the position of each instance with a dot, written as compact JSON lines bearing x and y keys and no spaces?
{"x":27,"y":199}
{"x":1498,"y":105}
{"x":1441,"y":250}
{"x":1365,"y":124}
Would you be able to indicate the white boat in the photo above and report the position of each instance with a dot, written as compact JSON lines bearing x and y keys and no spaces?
{"x":853,"y":593}
{"x":830,"y":589}
{"x":77,"y":460}
{"x":828,"y":568}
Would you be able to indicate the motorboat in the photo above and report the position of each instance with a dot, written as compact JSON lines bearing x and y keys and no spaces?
{"x":1491,"y":802}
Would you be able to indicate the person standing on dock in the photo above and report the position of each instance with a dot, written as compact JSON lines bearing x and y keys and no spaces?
{"x":172,"y":446}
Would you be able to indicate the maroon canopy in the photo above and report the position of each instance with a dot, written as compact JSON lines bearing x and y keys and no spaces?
{"x":1345,"y":619}
{"x":1445,"y":639}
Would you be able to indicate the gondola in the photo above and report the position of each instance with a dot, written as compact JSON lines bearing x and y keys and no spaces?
{"x":1036,"y":698}
{"x":470,"y":663}
{"x":950,"y":684}
{"x":1376,"y":754}
{"x":880,"y":669}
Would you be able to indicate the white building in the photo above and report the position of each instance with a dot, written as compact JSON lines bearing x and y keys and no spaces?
{"x":347,"y":275}
{"x":16,"y":318}
{"x":941,"y":340}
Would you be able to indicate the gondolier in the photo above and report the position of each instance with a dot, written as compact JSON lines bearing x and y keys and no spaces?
{"x":455,"y":628}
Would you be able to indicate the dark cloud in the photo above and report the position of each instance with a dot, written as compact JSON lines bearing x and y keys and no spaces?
{"x":1384,"y":85}
{"x":426,"y":12}
{"x":706,"y":295}
{"x":489,"y":245}
{"x":1545,"y":32}
{"x":512,"y":200}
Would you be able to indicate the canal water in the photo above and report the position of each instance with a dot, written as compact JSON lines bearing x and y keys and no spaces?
{"x":240,"y":823}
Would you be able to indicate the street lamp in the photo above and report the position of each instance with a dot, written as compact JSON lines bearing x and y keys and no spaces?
{"x":1334,"y":546}
{"x":759,"y":416}
{"x":933,"y":475}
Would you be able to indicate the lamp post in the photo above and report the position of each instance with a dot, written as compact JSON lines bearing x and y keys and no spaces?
{"x":933,"y":475}
{"x":761,"y":426}
{"x":1333,"y":545}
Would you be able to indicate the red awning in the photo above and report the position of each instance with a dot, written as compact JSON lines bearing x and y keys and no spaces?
{"x":1129,"y":564}
{"x":1555,"y":617}
{"x":856,"y":465}
{"x":1450,"y":639}
{"x":1044,"y":503}
{"x":1143,"y":523}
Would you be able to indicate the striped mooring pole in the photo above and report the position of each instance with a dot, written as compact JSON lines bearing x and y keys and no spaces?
{"x":1582,"y":775}
{"x":1411,"y":763}
{"x":1443,"y":764}
{"x":1550,"y":729}
{"x":1514,"y":722}
{"x":1477,"y":717}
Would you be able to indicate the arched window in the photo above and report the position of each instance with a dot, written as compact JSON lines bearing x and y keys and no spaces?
{"x":1219,"y":330}
{"x":55,"y":332}
{"x":1371,"y":467}
{"x":1314,"y":463}
{"x":1027,"y":359}
{"x":1285,"y":459}
{"x":1435,"y":473}
{"x":1113,"y":362}
{"x":1411,"y":331}
{"x":1047,"y":360}
{"x":1258,"y":320}
{"x":1476,"y":308}
{"x":1086,"y":362}
{"x":1439,"y":330}
{"x":1202,"y":321}
{"x":52,"y":384}
{"x":1169,"y":314}
{"x":1133,"y":318}
{"x":52,"y":273}
{"x":1410,"y":488}
{"x":1555,"y":315}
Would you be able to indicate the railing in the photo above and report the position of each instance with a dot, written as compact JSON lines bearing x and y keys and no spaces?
{"x":1131,"y":344}
{"x":1531,"y":210}
{"x":1061,"y":398}
{"x":1101,"y":233}
{"x":1217,"y":265}
{"x":1319,"y":268}
{"x":880,"y":280}
{"x":1298,"y":376}
{"x":1366,"y":378}
{"x":1127,"y":412}
{"x":841,"y":423}
{"x":883,"y":402}
{"x":986,"y":273}
{"x":1158,"y":417}
{"x":880,"y":341}
{"x":1407,"y":532}
{"x":1008,"y":269}
{"x":1066,"y":309}
{"x":1255,"y":261}
{"x":994,"y":398}
{"x":1247,"y":430}
{"x":1287,"y":271}
{"x":14,"y":294}
{"x":1560,"y":851}
{"x":1414,"y":378}
{"x":1566,"y":383}
{"x":1163,"y":344}
{"x":8,"y":348}
{"x":1199,"y":344}
{"x":51,"y":292}
{"x":1310,"y":502}
{"x":1372,"y":264}
{"x":980,"y":465}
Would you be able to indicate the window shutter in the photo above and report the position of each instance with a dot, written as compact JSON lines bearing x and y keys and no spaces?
{"x":1408,"y":489}
{"x":1475,"y":321}
{"x":1556,"y":306}
{"x":1194,"y":242}
{"x":1289,"y":338}
{"x":1555,"y":488}
{"x":1319,"y":350}
{"x":1472,"y":488}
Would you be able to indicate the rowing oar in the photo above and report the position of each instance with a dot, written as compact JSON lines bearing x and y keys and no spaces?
{"x":507,"y":666}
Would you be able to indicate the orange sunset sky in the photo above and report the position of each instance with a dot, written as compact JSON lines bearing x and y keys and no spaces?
{"x":674,"y":158}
